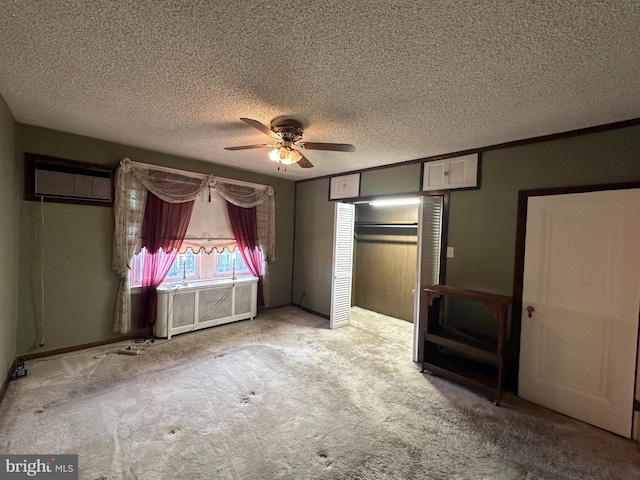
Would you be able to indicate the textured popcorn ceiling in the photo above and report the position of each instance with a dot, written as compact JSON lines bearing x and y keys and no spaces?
{"x":399,"y":79}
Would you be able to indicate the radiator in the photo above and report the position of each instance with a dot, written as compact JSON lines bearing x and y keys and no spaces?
{"x":184,"y":308}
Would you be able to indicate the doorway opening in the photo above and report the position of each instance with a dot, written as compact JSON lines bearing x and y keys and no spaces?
{"x":384,"y":257}
{"x":378,"y":279}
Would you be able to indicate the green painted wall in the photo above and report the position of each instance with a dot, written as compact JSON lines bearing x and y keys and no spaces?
{"x":313,"y":246}
{"x":79,"y":286}
{"x":388,"y":181}
{"x":9,"y":191}
{"x":482,"y":222}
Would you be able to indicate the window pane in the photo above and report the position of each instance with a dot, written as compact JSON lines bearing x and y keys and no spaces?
{"x":196,"y":266}
{"x":184,"y":264}
{"x":226,"y":261}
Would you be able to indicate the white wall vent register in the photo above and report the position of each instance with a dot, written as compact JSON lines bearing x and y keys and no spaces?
{"x":184,"y":308}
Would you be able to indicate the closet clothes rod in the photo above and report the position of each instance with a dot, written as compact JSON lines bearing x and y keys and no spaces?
{"x":386,"y":225}
{"x":378,"y":228}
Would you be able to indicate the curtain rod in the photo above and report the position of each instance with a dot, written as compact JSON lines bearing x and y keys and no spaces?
{"x":188,"y":173}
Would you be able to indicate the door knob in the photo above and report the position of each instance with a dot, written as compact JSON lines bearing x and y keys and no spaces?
{"x":530,"y":311}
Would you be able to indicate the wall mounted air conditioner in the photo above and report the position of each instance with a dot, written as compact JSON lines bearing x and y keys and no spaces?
{"x":55,"y":179}
{"x":184,"y":308}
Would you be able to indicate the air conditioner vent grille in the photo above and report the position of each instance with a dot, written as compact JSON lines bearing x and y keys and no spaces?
{"x":55,"y":179}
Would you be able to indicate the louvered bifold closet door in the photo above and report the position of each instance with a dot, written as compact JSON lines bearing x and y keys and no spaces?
{"x":342,"y":264}
{"x":429,"y":252}
{"x":430,"y":241}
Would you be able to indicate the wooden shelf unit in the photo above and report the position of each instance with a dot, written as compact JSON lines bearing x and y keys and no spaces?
{"x":471,"y":362}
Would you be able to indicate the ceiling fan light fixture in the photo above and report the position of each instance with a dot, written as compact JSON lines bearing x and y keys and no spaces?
{"x":295,"y":156}
{"x":275,"y":155}
{"x":285,"y":155}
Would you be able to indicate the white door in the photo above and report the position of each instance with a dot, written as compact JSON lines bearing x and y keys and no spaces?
{"x":428,"y":268}
{"x":582,"y":285}
{"x":342,"y":270}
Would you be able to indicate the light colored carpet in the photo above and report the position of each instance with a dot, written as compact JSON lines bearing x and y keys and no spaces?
{"x":283,"y":396}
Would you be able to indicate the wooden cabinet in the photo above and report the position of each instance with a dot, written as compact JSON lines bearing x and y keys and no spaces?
{"x":473,"y":362}
{"x":458,"y":172}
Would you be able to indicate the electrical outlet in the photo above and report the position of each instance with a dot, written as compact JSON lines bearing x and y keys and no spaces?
{"x":449,"y":252}
{"x":20,"y":371}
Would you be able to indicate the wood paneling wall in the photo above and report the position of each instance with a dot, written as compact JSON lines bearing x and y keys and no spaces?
{"x":385,"y":265}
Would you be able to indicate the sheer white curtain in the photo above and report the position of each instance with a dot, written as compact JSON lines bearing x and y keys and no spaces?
{"x":134,"y":180}
{"x":128,"y":206}
{"x":248,"y":196}
{"x":261,"y":197}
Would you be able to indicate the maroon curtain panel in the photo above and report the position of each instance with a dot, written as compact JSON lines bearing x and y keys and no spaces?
{"x":245,"y":230}
{"x":164,"y":226}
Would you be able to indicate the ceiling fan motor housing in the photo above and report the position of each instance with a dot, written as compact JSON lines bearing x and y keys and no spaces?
{"x":290,"y":129}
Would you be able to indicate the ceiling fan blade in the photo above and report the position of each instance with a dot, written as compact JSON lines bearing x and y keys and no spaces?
{"x":260,"y":126}
{"x":336,"y":147}
{"x":304,"y":162}
{"x":247,"y":147}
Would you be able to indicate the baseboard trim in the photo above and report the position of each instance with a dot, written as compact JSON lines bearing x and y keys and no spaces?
{"x":308,"y":310}
{"x":58,"y":351}
{"x":264,"y":309}
{"x":5,"y":384}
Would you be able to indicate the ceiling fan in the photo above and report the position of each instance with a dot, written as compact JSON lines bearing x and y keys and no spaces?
{"x":287,"y":134}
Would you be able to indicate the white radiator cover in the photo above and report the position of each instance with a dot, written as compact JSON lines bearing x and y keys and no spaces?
{"x":184,"y":308}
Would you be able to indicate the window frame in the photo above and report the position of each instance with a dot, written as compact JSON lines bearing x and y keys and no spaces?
{"x":136,"y":267}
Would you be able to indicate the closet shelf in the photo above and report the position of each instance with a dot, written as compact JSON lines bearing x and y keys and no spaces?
{"x":386,"y":228}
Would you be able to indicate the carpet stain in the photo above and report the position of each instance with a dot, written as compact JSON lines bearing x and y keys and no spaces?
{"x":324,"y":458}
{"x":172,"y":433}
{"x":247,"y":398}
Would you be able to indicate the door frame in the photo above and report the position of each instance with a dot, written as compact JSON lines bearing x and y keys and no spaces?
{"x":518,"y":275}
{"x":417,"y":340}
{"x":419,"y":306}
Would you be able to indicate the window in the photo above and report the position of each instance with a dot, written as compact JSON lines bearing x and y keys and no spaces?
{"x":227,"y":261}
{"x":196,"y":266}
{"x":185,"y":265}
